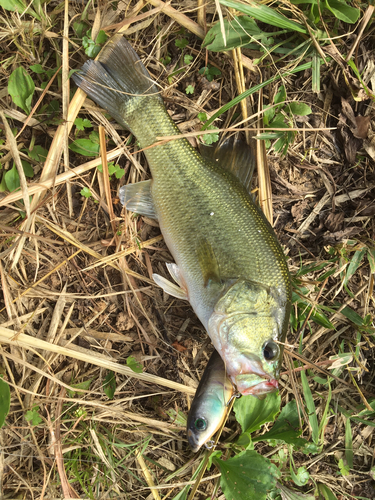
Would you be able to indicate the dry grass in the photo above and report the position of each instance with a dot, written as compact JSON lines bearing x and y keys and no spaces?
{"x":76,"y":273}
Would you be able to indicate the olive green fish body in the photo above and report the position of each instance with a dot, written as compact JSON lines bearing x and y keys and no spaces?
{"x":209,"y":407}
{"x":229,"y":263}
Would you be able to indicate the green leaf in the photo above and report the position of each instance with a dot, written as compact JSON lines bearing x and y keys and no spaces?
{"x":352,"y":316}
{"x":37,"y":68}
{"x":134,"y":365}
{"x":371,"y":259}
{"x":33,"y":416}
{"x":299,"y":108}
{"x":85,"y":147}
{"x":252,"y":413}
{"x":4,"y":401}
{"x":119,"y":172}
{"x":239,"y":32}
{"x":101,"y":38}
{"x":38,"y":153}
{"x":286,"y":428}
{"x":189,"y":89}
{"x":326,"y":492}
{"x":302,"y":476}
{"x":264,"y":14}
{"x":85,"y":192}
{"x":280,"y":95}
{"x":187,"y":59}
{"x":12,"y":179}
{"x":247,"y":476}
{"x":85,"y":386}
{"x":210,"y":138}
{"x":348,"y":443}
{"x":344,"y":469}
{"x":178,"y":418}
{"x":181,"y":44}
{"x":28,"y":169}
{"x":354,"y":264}
{"x":13,"y":5}
{"x":311,"y":410}
{"x":21,"y":87}
{"x":109,"y":385}
{"x":342,"y":11}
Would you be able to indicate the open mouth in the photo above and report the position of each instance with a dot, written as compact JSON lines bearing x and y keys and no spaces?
{"x":263,"y":387}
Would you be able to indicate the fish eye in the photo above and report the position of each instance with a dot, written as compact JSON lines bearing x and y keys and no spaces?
{"x":270,"y":351}
{"x":200,"y":424}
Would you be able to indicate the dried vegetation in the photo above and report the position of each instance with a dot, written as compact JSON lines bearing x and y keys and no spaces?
{"x":78,"y":298}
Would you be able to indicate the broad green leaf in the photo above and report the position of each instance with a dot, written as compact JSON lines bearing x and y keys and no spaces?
{"x":344,"y":468}
{"x":239,"y":31}
{"x":21,"y":87}
{"x":12,"y":179}
{"x":85,"y":147}
{"x":101,"y":38}
{"x":252,"y":412}
{"x":342,"y":11}
{"x":264,"y":14}
{"x":286,"y":428}
{"x":13,"y":5}
{"x":38,"y":153}
{"x":37,"y":68}
{"x":299,"y":108}
{"x":181,"y":43}
{"x":311,"y":410}
{"x":28,"y":169}
{"x":4,"y":401}
{"x":189,"y":89}
{"x":247,"y":476}
{"x":354,"y":264}
{"x":85,"y":192}
{"x":302,"y":476}
{"x":84,"y":386}
{"x":109,"y":385}
{"x":280,"y":95}
{"x":134,"y":365}
{"x":33,"y":416}
{"x":326,"y":492}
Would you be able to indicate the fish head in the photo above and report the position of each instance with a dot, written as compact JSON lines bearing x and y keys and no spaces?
{"x":245,"y":328}
{"x":204,"y":420}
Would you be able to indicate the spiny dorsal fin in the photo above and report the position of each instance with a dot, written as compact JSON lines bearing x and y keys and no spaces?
{"x":235,"y":155}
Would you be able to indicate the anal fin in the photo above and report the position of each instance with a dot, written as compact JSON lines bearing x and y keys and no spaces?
{"x":137,"y":198}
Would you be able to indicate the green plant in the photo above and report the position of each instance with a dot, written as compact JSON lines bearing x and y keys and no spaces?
{"x":92,"y":48}
{"x":280,"y":115}
{"x":113,"y":169}
{"x":21,"y":88}
{"x":209,"y":72}
{"x":4,"y":401}
{"x":11,"y":180}
{"x":208,"y":138}
{"x":33,"y":416}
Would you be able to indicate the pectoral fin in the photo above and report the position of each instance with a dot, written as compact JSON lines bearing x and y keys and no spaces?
{"x":208,"y":262}
{"x":137,"y":198}
{"x":169,"y":287}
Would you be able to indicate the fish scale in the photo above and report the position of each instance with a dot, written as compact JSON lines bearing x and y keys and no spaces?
{"x":229,"y":264}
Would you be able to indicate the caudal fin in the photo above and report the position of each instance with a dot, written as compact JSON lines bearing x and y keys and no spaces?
{"x":117,"y":80}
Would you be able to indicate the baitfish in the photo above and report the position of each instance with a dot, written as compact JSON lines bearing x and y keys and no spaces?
{"x":209,"y":406}
{"x":228,"y":262}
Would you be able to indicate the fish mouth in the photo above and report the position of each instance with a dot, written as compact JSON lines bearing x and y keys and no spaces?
{"x":194,"y":445}
{"x":255,"y":384}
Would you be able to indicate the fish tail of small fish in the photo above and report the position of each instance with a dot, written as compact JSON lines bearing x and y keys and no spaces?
{"x":117,"y":81}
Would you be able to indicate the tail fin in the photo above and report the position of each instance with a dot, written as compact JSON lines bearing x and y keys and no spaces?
{"x":117,"y":80}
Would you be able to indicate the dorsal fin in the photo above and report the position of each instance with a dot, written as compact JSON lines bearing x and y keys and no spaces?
{"x":235,"y":155}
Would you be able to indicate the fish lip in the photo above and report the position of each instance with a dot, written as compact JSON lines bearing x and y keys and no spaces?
{"x":263,"y":387}
{"x":192,"y":442}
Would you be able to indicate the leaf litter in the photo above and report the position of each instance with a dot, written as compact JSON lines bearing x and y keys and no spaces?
{"x":99,"y":361}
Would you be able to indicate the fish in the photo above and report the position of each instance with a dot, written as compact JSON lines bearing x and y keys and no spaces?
{"x":228,"y":262}
{"x":210,"y":404}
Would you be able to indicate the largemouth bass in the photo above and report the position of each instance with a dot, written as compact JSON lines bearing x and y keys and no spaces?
{"x":228,"y":262}
{"x":209,"y":406}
